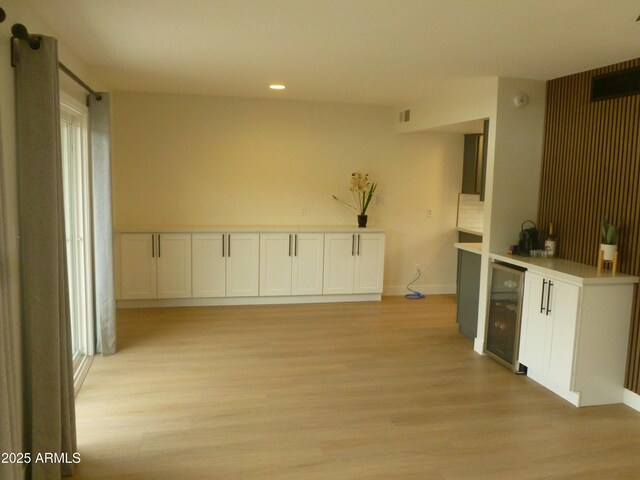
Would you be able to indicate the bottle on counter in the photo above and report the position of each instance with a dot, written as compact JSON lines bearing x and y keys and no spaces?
{"x":550,"y":243}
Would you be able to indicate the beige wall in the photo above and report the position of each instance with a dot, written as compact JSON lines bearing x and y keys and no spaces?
{"x":192,"y":160}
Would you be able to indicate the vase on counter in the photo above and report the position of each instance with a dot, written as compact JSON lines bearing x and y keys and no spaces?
{"x":362,"y":221}
{"x":608,"y":251}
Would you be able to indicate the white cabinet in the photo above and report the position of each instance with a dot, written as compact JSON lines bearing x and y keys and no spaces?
{"x":353,"y":263}
{"x":209,"y":265}
{"x":155,"y":265}
{"x":550,"y":313}
{"x":237,"y":267}
{"x":573,"y":337}
{"x":243,"y":253}
{"x":291,"y":263}
{"x":225,"y":265}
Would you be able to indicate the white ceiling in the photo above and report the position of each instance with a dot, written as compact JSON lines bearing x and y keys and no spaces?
{"x":389,"y":52}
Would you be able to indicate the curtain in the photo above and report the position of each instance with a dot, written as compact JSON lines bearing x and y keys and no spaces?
{"x":10,"y":391}
{"x":49,"y":411}
{"x":102,"y":224}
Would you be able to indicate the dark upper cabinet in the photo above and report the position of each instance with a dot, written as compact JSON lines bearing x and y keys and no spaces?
{"x":474,"y":167}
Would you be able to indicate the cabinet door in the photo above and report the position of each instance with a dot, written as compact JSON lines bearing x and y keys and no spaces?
{"x":534,"y":322}
{"x":468,"y":293}
{"x":307,"y":267}
{"x":369,"y":263}
{"x":208,"y":265}
{"x":138,"y":266}
{"x":563,"y":315}
{"x":339,"y":259}
{"x":174,"y":265}
{"x":243,"y":264}
{"x":276,"y":254}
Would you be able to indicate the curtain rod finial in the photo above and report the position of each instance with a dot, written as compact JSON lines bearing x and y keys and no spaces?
{"x":20,"y":31}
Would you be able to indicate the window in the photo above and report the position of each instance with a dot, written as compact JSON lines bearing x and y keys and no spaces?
{"x":77,"y":206}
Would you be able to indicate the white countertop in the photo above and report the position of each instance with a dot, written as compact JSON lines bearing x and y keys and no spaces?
{"x":469,"y":230}
{"x":571,"y":272}
{"x":247,"y":228}
{"x":469,"y":247}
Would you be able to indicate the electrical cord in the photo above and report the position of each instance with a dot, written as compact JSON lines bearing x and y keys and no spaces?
{"x":414,"y":295}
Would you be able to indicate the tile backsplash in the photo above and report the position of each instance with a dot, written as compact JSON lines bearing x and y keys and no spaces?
{"x":470,"y":212}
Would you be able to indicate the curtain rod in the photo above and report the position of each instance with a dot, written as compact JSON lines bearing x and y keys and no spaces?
{"x":20,"y":31}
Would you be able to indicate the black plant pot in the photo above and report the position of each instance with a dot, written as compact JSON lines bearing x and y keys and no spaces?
{"x":362,"y":221}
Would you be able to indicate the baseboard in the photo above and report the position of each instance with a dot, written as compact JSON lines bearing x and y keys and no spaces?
{"x":446,"y":289}
{"x":631,"y":399}
{"x":211,"y":302}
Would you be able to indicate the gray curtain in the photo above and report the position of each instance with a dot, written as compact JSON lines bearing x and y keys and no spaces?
{"x":49,"y":411}
{"x":10,"y":378}
{"x":102,"y":224}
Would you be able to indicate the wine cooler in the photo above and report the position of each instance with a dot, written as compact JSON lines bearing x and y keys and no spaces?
{"x":503,"y":318}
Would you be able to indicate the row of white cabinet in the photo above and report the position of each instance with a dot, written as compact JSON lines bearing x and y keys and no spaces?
{"x":210,"y":265}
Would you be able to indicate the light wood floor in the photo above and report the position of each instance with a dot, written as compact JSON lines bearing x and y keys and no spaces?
{"x":370,"y":391}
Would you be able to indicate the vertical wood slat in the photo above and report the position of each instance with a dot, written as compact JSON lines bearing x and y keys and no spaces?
{"x":591,"y":170}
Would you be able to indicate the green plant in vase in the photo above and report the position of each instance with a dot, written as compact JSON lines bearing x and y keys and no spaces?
{"x":609,"y":240}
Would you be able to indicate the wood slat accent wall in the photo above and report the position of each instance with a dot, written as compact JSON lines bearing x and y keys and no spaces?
{"x":591,"y":171}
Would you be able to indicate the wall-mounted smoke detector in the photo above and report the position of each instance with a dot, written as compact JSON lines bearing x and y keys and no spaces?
{"x":521,"y":100}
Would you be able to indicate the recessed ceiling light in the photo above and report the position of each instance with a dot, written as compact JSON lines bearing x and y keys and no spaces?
{"x":275,"y":86}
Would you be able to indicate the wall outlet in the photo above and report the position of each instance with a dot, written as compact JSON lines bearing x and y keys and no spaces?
{"x":429,"y":212}
{"x":380,"y":200}
{"x":303,"y":211}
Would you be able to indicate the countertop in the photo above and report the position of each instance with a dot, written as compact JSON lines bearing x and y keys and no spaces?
{"x":469,"y":247}
{"x":247,"y":229}
{"x":469,"y":230}
{"x":571,"y":272}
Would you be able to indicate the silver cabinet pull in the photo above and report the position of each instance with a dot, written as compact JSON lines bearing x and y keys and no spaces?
{"x":159,"y":246}
{"x":295,"y":250}
{"x":153,"y":246}
{"x":223,"y":245}
{"x":549,"y":285}
{"x":289,"y":244}
{"x":358,"y":244}
{"x":229,"y":245}
{"x":353,"y":244}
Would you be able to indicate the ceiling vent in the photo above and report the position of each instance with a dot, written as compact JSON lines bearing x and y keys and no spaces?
{"x":616,"y":84}
{"x":405,"y":116}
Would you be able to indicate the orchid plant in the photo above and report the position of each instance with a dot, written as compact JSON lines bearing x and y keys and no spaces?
{"x":362,"y":190}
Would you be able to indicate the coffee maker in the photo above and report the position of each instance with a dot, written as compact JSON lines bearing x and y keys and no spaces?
{"x":529,"y":239}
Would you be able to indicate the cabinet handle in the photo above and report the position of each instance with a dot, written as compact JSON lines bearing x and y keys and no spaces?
{"x":229,"y":245}
{"x":544,"y":282}
{"x":223,"y":237}
{"x":153,"y":246}
{"x":289,"y":244}
{"x":353,"y":244}
{"x":158,"y":245}
{"x":358,"y":244}
{"x":549,"y":285}
{"x":295,"y":246}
